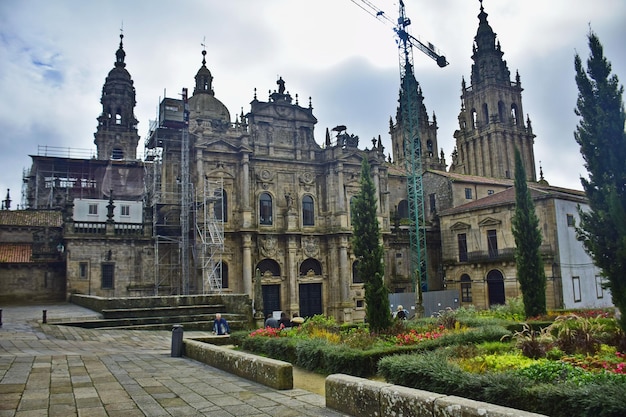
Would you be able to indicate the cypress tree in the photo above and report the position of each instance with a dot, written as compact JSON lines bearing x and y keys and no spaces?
{"x":530,"y":272}
{"x":369,"y":252}
{"x":600,"y":134}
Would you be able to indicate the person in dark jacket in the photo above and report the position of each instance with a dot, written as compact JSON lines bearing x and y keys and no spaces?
{"x":284,"y":320}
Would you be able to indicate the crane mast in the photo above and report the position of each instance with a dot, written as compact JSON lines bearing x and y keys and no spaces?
{"x":410,"y":104}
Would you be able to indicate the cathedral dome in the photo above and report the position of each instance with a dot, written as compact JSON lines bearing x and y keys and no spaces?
{"x":203,"y":104}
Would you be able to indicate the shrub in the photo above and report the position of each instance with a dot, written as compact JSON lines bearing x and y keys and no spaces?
{"x":576,"y":334}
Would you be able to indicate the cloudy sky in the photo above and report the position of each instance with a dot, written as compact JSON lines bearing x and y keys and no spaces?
{"x":55,"y":56}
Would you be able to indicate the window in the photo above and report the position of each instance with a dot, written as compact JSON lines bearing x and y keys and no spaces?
{"x":221,"y":205}
{"x":310,"y":265}
{"x":93,"y":209}
{"x":117,"y":153}
{"x":474,"y":119}
{"x":468,"y":193}
{"x":466,"y":288}
{"x":356,"y":279}
{"x":108,"y":277}
{"x":118,"y":119}
{"x":599,"y":287}
{"x":265,"y":209}
{"x":221,"y":269}
{"x":576,"y":289}
{"x":403,"y":209}
{"x":489,"y":192}
{"x":352,"y":209}
{"x":486,"y":113}
{"x":492,"y":243}
{"x":125,"y":210}
{"x":308,"y":211}
{"x":433,"y":201}
{"x":462,"y":240}
{"x":570,"y":221}
{"x":83,"y":270}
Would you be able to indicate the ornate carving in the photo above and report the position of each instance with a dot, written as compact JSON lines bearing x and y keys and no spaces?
{"x":310,"y":246}
{"x":269,"y":246}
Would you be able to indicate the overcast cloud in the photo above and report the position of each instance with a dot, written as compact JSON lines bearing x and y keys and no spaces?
{"x":55,"y":56}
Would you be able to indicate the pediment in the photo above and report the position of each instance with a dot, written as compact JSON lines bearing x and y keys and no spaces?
{"x":460,"y":226}
{"x":220,"y":145}
{"x":489,"y":221}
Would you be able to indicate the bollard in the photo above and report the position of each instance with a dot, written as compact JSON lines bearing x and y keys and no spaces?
{"x":177,"y":341}
{"x":0,"y":317}
{"x":45,"y":317}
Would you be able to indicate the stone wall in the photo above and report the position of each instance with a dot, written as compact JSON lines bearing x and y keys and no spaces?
{"x":365,"y":398}
{"x":32,"y":282}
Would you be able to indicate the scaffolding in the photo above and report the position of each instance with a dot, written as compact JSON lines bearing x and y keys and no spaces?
{"x":211,"y":235}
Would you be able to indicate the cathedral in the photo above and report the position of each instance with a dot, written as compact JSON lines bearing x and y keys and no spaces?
{"x":258,"y":206}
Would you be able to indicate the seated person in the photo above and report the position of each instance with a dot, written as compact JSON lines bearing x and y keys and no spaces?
{"x":296,"y":320}
{"x":220,"y":325}
{"x":270,"y":321}
{"x":284,"y":320}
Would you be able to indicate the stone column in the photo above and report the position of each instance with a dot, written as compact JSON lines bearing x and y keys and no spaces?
{"x":247,"y":264}
{"x":341,"y":198}
{"x":292,"y":271}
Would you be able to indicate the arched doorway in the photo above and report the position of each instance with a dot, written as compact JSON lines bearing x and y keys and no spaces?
{"x":495,"y":287}
{"x":271,"y":292}
{"x":310,"y":293}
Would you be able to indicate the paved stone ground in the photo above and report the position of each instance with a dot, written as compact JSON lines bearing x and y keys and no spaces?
{"x":51,"y":370}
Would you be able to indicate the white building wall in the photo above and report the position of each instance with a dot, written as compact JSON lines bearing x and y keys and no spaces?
{"x":84,"y":211}
{"x":580,"y":277}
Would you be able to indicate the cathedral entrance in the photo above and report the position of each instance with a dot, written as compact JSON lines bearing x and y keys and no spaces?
{"x":271,"y":299}
{"x":310,"y":299}
{"x":495,"y":287}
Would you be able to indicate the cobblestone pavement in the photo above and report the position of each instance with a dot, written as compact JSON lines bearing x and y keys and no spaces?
{"x":52,"y":370}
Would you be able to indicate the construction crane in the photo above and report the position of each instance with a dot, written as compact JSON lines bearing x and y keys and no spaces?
{"x":410,"y":103}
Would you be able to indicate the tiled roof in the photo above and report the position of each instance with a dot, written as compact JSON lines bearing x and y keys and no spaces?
{"x":31,"y":218}
{"x":507,"y":197}
{"x":16,"y":252}
{"x":475,"y":179}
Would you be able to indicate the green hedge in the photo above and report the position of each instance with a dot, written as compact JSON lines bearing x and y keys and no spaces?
{"x":433,"y":372}
{"x":322,"y":356}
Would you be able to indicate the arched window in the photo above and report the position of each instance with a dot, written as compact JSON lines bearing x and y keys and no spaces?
{"x":514,"y":118}
{"x":118,"y":118}
{"x":312,"y":265}
{"x":265,"y":209}
{"x":269,"y":265}
{"x":308,"y":211}
{"x":474,"y":119}
{"x":356,"y":279}
{"x":117,"y":153}
{"x":466,"y":288}
{"x":429,"y":146}
{"x":403,"y":209}
{"x":486,"y":113}
{"x":220,"y":209}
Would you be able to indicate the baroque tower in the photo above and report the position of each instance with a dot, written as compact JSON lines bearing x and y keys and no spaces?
{"x":116,"y":137}
{"x":427,"y":134}
{"x":491,"y":123}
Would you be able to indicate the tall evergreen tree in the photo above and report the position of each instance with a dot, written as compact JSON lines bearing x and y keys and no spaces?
{"x":600,"y":134}
{"x":369,"y":252}
{"x":527,"y":234}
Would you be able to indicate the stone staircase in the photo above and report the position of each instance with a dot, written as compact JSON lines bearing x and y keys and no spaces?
{"x":162,"y":313}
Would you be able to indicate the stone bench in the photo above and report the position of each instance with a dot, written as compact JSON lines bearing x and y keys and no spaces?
{"x":366,"y":398}
{"x":270,"y":372}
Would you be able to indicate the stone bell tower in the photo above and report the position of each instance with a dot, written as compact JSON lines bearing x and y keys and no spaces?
{"x":116,"y":137}
{"x":491,"y":121}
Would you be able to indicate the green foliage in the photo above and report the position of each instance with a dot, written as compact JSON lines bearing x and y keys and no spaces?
{"x":527,"y":234}
{"x":369,"y":252}
{"x":576,"y":334}
{"x":600,"y":134}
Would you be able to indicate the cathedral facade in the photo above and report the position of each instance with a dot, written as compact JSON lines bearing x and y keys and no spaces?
{"x":257,"y":206}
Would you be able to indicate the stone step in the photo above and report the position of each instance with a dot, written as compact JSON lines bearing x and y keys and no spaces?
{"x":197,"y":322}
{"x":137,"y":312}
